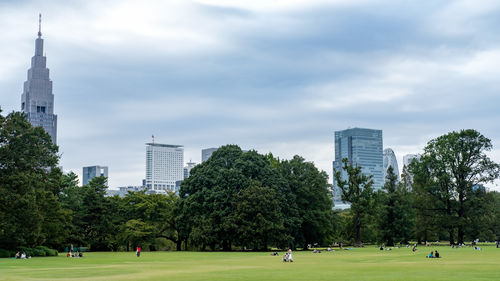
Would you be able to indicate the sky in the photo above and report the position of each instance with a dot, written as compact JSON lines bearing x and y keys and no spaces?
{"x":274,"y":76}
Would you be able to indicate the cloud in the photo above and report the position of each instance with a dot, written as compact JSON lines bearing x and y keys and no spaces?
{"x":277,"y":76}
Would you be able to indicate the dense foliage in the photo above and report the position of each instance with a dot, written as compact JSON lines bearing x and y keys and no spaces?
{"x":256,"y":201}
{"x":245,"y":200}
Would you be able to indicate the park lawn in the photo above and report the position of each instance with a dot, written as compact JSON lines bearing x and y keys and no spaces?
{"x":359,"y":264}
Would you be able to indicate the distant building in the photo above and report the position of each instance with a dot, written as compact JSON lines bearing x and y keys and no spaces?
{"x":112,"y":192}
{"x":390,"y":161}
{"x":122,"y":191}
{"x":408,"y":158}
{"x":362,"y":147}
{"x":187,"y":169}
{"x":164,"y":166}
{"x":206,"y":153}
{"x":37,"y":100}
{"x":91,"y":172}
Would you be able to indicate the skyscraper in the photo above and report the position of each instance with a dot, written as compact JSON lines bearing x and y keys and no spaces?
{"x":390,"y":161}
{"x":187,"y":169}
{"x":362,"y":147}
{"x":408,"y":158}
{"x":91,"y":172}
{"x":164,"y":166}
{"x":206,"y":153}
{"x":37,"y":100}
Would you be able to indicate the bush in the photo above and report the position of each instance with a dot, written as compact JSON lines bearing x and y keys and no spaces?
{"x":48,"y":252}
{"x":6,"y":254}
{"x":40,"y":251}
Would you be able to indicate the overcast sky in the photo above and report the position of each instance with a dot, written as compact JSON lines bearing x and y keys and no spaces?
{"x":275,"y":76}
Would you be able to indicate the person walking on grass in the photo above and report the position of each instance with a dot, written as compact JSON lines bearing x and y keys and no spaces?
{"x":138,"y":251}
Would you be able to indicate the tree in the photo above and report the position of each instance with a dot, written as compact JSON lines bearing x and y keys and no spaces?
{"x":313,"y":200}
{"x":357,"y":190}
{"x":211,"y":201}
{"x":396,"y":216}
{"x":258,"y":218}
{"x":71,"y":198}
{"x":209,"y":195}
{"x":96,"y":215}
{"x":456,"y":163}
{"x":30,"y":213}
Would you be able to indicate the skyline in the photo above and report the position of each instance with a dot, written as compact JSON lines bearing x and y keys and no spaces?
{"x":276,"y":77}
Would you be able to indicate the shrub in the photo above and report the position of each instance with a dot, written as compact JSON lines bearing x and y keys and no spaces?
{"x":48,"y":252}
{"x":6,"y":253}
{"x":39,"y":251}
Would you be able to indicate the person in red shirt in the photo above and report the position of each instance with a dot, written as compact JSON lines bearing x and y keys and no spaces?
{"x":138,"y":251}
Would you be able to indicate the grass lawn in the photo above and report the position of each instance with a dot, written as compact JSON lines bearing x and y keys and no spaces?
{"x":359,"y":264}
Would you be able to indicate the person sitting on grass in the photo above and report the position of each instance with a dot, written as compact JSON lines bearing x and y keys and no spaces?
{"x":436,"y":254}
{"x":18,"y":256}
{"x":80,"y":255}
{"x":431,"y":255}
{"x":285,"y":257}
{"x":69,"y":254}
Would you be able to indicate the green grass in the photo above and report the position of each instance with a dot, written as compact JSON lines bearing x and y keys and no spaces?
{"x":358,"y":264}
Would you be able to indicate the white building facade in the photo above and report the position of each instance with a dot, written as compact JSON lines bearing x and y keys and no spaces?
{"x":187,"y":169}
{"x":164,"y":166}
{"x":408,"y":158}
{"x":390,"y":161}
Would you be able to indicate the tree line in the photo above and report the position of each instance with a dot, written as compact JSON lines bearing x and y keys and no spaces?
{"x":240,"y":200}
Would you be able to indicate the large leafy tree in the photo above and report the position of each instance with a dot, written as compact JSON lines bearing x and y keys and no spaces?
{"x":313,"y":200}
{"x":430,"y":203}
{"x":457,"y":162}
{"x":213,"y":203}
{"x":30,"y":213}
{"x":257,"y":217}
{"x":357,"y":190}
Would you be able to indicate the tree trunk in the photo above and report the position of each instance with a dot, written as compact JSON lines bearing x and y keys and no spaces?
{"x":357,"y":231}
{"x":226,"y":245}
{"x":452,"y":239}
{"x":460,"y":235}
{"x":179,"y":244}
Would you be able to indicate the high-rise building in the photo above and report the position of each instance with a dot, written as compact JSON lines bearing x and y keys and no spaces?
{"x":408,"y":158}
{"x":91,"y":172}
{"x":37,"y":100}
{"x":390,"y":161}
{"x":164,"y":166}
{"x":206,"y":153}
{"x":187,"y":169}
{"x":362,"y":147}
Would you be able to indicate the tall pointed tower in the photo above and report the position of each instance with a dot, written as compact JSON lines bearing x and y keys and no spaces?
{"x":37,"y":100}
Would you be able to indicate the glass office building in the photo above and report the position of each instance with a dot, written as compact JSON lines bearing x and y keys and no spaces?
{"x":91,"y":172}
{"x":362,"y":147}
